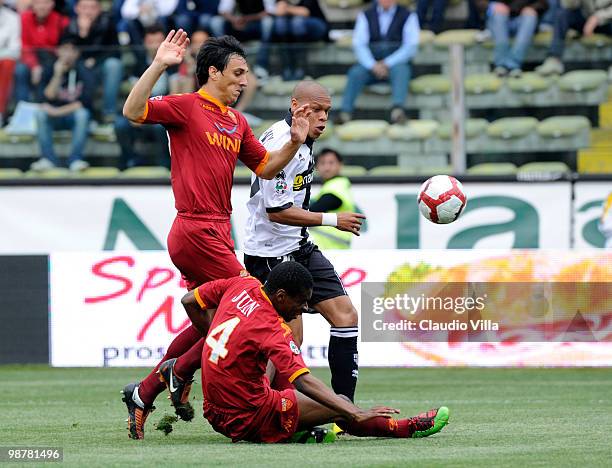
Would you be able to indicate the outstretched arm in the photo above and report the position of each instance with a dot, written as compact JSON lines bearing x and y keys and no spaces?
{"x":319,"y":392}
{"x":170,"y":52}
{"x":294,"y":216}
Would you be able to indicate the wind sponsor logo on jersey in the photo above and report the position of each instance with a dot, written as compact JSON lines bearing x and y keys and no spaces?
{"x":245,"y":303}
{"x":303,"y":180}
{"x":224,"y":141}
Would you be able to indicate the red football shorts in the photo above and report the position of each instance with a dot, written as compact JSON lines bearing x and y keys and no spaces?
{"x":203,"y":250}
{"x":275,"y":421}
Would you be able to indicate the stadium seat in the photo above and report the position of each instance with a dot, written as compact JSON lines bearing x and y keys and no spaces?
{"x":501,"y":168}
{"x":473,"y":128}
{"x":413,"y":130}
{"x":596,"y":40}
{"x":562,"y":126}
{"x":552,"y":168}
{"x":594,"y":161}
{"x":55,"y":173}
{"x":425,"y":37}
{"x":435,"y":170}
{"x":344,"y":3}
{"x":98,"y":173}
{"x":582,"y":80}
{"x":335,"y":84}
{"x":146,"y":172}
{"x":467,"y":37}
{"x":10,"y":173}
{"x":528,"y":83}
{"x":482,"y":83}
{"x":358,"y":130}
{"x":391,"y":171}
{"x":512,"y":127}
{"x":542,"y":39}
{"x":601,"y":138}
{"x":353,"y":171}
{"x":278,"y":87}
{"x":6,"y":137}
{"x":430,"y":84}
{"x":242,"y":171}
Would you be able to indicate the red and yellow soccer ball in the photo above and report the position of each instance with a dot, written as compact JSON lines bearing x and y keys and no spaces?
{"x":441,"y":199}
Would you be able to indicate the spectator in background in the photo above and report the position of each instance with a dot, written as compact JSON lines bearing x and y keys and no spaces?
{"x":192,"y":15}
{"x":547,"y":20}
{"x":298,"y":21}
{"x":128,"y":134}
{"x":513,"y":17}
{"x":67,"y":107}
{"x":140,"y":14}
{"x":99,"y":62}
{"x":41,"y":29}
{"x":385,"y":38}
{"x":587,"y":17}
{"x":335,"y":196}
{"x":10,"y":48}
{"x":184,"y":80}
{"x":247,"y":20}
{"x":437,"y":8}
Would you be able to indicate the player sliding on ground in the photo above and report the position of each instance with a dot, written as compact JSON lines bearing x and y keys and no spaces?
{"x":247,"y":323}
{"x":206,"y":138}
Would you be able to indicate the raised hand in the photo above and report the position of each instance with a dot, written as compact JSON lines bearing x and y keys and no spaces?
{"x":172,"y":50}
{"x":300,"y":124}
{"x":350,"y":222}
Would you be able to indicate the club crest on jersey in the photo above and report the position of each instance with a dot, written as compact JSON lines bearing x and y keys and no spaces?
{"x":245,"y":303}
{"x":286,"y":404}
{"x":294,"y":348}
{"x":232,"y":116}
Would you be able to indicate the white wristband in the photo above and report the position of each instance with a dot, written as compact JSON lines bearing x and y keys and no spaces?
{"x":329,"y":219}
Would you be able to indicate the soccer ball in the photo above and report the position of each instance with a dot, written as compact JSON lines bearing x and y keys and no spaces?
{"x":441,"y":199}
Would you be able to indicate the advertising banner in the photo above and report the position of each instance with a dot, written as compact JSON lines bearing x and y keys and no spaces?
{"x":588,"y":207}
{"x":499,"y":215}
{"x":123,"y":309}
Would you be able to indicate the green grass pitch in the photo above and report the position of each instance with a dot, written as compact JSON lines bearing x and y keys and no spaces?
{"x":499,"y":417}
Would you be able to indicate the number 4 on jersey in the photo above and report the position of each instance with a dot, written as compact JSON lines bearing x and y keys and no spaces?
{"x":217,"y":346}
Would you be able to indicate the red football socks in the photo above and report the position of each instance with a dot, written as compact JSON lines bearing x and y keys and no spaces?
{"x":380,"y":427}
{"x":151,"y":386}
{"x":187,"y":364}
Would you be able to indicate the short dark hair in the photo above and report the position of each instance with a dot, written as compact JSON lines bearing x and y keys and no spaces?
{"x":155,"y":28}
{"x":292,"y":277}
{"x":328,"y":150}
{"x":216,"y":52}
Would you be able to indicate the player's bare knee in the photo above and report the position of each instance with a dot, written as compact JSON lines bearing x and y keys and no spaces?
{"x":345,"y":317}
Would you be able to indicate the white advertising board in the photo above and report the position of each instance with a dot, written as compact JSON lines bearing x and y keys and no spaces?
{"x":500,"y":215}
{"x":123,"y":309}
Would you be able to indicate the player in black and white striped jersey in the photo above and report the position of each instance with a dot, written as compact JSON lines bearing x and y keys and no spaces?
{"x":277,"y":231}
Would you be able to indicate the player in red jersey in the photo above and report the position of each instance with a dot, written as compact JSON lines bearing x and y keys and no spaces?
{"x":247,"y":328}
{"x":206,"y":139}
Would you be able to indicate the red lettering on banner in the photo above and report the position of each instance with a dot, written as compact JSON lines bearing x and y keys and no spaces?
{"x":97,"y":269}
{"x":164,"y":309}
{"x":166,"y":273}
{"x":352,"y":277}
